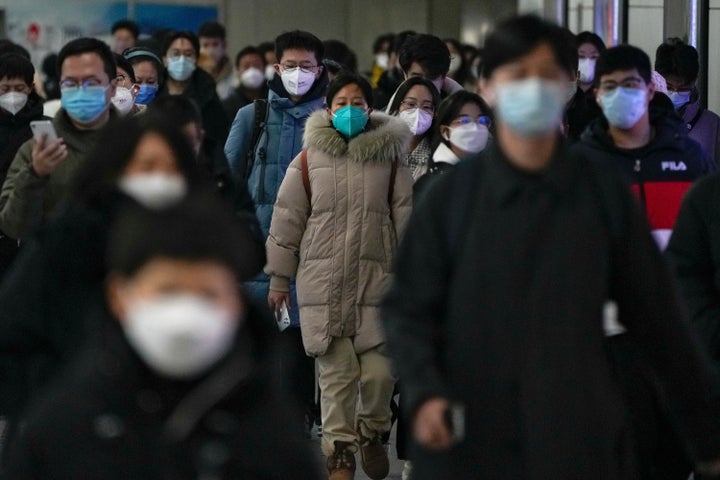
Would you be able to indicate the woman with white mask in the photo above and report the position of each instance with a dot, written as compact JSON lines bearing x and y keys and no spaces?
{"x":127,"y":89}
{"x":462,"y":129}
{"x":57,"y":278}
{"x":415,"y":102}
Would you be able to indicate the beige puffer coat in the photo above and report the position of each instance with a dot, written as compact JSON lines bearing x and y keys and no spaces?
{"x":340,"y":249}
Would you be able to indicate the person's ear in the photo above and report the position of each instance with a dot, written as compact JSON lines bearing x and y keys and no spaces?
{"x":319,"y":71}
{"x":277,"y":69}
{"x":487,"y":92}
{"x":651,"y":90}
{"x":445,"y":132}
{"x":115,"y":293}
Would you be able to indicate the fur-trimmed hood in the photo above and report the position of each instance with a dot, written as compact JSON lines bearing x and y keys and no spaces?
{"x":384,"y":140}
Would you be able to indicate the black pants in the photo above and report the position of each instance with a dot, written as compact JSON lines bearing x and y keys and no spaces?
{"x":659,"y":451}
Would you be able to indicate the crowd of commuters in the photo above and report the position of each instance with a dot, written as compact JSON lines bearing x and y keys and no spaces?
{"x":205,"y":258}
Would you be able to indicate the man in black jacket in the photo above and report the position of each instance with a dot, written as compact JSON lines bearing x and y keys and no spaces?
{"x":649,"y":147}
{"x":495,"y":315}
{"x":181,"y":389}
{"x":19,"y":105}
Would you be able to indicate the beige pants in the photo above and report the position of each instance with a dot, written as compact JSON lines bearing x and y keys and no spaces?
{"x":344,"y":373}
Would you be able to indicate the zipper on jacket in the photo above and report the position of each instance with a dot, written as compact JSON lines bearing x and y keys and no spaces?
{"x":641,"y":185}
{"x":261,"y":184}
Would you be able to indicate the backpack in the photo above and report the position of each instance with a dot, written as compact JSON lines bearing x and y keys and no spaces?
{"x":259,"y":123}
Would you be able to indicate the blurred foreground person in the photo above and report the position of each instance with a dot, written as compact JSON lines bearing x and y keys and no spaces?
{"x":55,"y":285}
{"x":183,"y":387}
{"x":495,"y":315}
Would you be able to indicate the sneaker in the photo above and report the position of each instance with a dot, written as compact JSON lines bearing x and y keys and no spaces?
{"x":407,"y":470}
{"x":341,"y":464}
{"x":373,"y":457}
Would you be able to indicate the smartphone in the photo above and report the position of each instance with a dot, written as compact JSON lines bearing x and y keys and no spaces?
{"x":283,"y":317}
{"x":455,"y":421}
{"x":39,"y":127}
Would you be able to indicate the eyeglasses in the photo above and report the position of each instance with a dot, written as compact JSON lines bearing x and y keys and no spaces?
{"x":466,"y":120}
{"x":412,"y":104}
{"x":304,"y":67}
{"x":71,"y":84}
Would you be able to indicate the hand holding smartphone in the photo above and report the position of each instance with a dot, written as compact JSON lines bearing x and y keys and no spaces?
{"x":40,"y":127}
{"x":282,"y":317}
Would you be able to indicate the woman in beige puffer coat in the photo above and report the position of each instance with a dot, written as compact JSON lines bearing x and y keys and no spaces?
{"x":336,"y":222}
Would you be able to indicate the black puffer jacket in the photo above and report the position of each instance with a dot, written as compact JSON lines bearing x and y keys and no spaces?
{"x":111,"y":417}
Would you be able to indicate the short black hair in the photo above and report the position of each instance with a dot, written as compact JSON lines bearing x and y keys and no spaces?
{"x":345,"y":78}
{"x":14,"y":66}
{"x":7,"y":46}
{"x":400,"y":39}
{"x":405,"y":87}
{"x":450,"y":108}
{"x":675,"y":57}
{"x":89,"y":45}
{"x":122,"y":62}
{"x":179,"y":109}
{"x":199,"y":228}
{"x":341,"y":53}
{"x":517,"y":36}
{"x":300,"y":40}
{"x":429,"y":51}
{"x":186,"y":34}
{"x":388,"y":38}
{"x":212,"y":29}
{"x":97,"y":178}
{"x":249,"y":50}
{"x":266,"y":47}
{"x":128,"y":25}
{"x":591,"y":38}
{"x":623,"y":57}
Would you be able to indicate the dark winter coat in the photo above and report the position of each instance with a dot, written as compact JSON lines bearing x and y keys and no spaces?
{"x":504,"y":315}
{"x":239,"y":98}
{"x":694,"y":253}
{"x":201,"y":89}
{"x":660,"y":173}
{"x":580,"y":112}
{"x":111,"y":417}
{"x":703,"y":127}
{"x":14,"y":131}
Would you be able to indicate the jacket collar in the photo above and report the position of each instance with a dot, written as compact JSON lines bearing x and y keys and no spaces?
{"x":385,"y":138}
{"x":668,"y":129}
{"x":505,"y":181}
{"x":443,"y":154}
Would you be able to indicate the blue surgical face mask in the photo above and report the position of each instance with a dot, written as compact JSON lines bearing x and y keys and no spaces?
{"x":623,"y":107}
{"x":180,"y":68}
{"x":679,"y":99}
{"x":350,"y":120}
{"x":146,"y":94}
{"x":84,"y":104}
{"x":531,"y":107}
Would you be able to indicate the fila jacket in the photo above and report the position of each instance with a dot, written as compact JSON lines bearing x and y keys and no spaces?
{"x":659,"y":173}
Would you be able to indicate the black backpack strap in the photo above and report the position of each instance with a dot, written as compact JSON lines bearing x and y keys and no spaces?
{"x":261,"y":107}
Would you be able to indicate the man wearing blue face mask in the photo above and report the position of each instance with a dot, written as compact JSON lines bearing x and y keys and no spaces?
{"x":650,"y":148}
{"x":41,"y":172}
{"x":495,"y":314}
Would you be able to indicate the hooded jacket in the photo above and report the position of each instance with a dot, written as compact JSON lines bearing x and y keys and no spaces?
{"x":703,"y":126}
{"x":660,"y":173}
{"x":279,"y":142}
{"x":338,"y":239}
